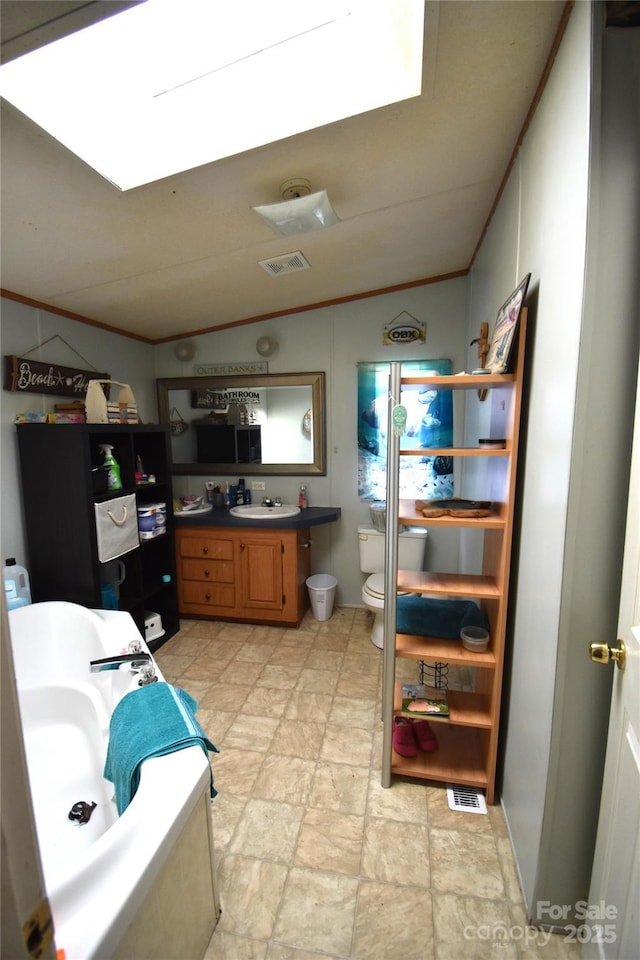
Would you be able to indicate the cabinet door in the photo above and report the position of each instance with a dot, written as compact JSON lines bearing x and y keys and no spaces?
{"x":261,"y":573}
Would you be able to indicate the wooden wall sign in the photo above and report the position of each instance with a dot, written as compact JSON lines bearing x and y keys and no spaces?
{"x":33,"y":376}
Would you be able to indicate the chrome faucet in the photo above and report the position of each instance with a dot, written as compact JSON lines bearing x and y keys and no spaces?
{"x":136,"y":660}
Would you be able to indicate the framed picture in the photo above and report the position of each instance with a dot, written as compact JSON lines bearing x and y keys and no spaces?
{"x":505,"y":328}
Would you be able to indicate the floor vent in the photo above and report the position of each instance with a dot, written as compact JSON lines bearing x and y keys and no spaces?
{"x":466,"y":799}
{"x":288,"y":263}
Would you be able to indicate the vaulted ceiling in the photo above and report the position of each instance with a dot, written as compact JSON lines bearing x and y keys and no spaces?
{"x":413,"y":184}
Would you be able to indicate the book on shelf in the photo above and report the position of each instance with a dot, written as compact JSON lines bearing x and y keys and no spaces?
{"x":419,"y":700}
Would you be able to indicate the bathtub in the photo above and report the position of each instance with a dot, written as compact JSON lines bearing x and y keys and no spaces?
{"x":116,"y":885}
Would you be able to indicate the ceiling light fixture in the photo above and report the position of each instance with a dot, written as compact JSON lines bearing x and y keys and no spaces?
{"x":300,"y":210}
{"x":184,"y":350}
{"x":192,"y":79}
{"x":266,"y":346}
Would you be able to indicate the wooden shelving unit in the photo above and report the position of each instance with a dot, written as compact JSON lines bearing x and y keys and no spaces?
{"x":468,"y":740}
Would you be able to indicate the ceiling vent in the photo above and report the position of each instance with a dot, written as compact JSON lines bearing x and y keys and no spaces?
{"x":288,"y":263}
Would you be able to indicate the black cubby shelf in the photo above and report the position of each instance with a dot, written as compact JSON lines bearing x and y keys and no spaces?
{"x":60,"y":485}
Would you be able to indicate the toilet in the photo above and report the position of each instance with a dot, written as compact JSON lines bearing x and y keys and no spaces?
{"x":411,"y":546}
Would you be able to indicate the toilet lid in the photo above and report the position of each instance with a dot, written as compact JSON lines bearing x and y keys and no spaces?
{"x":375,"y":586}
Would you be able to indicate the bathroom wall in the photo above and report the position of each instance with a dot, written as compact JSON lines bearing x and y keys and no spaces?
{"x":70,"y":344}
{"x":540,"y":227}
{"x":335,"y":339}
{"x":574,"y":186}
{"x":332,"y":339}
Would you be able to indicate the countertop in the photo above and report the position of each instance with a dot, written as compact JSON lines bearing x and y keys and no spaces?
{"x":220,"y":517}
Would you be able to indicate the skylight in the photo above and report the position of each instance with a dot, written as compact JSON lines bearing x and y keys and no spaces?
{"x":164,"y":87}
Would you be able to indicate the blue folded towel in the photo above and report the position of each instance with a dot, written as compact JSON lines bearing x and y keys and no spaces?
{"x":150,"y":722}
{"x":426,"y":617}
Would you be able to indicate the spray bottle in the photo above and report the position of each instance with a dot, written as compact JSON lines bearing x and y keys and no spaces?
{"x":111,"y":465}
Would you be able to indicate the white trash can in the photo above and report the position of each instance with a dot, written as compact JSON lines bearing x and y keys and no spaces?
{"x":322,"y":591}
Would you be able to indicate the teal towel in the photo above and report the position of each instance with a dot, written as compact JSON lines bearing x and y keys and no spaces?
{"x":150,"y":722}
{"x":426,"y":617}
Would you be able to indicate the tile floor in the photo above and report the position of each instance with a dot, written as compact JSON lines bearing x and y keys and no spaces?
{"x":314,"y":858}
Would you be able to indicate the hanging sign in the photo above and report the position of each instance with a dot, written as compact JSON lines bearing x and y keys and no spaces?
{"x":403,"y":330}
{"x":230,"y":369}
{"x":33,"y":376}
{"x":220,"y":399}
{"x":399,"y":419}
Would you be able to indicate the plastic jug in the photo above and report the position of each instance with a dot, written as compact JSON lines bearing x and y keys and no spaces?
{"x":16,"y":585}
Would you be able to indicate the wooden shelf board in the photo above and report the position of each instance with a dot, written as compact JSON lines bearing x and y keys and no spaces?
{"x":458,"y":759}
{"x":457,"y":452}
{"x":461,"y":381}
{"x":465,"y":710}
{"x":432,"y":649}
{"x":448,"y":584}
{"x":408,"y":514}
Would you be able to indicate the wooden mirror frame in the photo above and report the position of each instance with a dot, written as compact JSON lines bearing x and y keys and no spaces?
{"x":314,"y":380}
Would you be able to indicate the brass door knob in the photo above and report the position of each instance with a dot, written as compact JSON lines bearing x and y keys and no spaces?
{"x":603,"y":653}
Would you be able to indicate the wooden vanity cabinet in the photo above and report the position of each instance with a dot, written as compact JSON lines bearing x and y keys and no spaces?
{"x":243,"y":574}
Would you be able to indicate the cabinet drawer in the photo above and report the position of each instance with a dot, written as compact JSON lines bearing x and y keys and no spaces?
{"x":206,"y":547}
{"x":208,"y":594}
{"x":210,"y":571}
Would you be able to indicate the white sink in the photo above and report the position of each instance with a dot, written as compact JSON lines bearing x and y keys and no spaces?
{"x":250,"y":511}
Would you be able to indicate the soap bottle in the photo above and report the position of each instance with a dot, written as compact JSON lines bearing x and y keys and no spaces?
{"x":111,"y":465}
{"x":240,"y":493}
{"x":303,"y":501}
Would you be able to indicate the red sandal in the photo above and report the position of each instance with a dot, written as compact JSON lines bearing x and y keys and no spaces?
{"x":404,"y":741}
{"x":424,"y":736}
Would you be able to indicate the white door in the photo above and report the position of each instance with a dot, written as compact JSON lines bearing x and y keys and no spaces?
{"x":612,"y":923}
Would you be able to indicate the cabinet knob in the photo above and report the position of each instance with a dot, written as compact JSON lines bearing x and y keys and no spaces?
{"x":207,"y":597}
{"x":205,"y":550}
{"x":207,"y":573}
{"x":242,"y":546}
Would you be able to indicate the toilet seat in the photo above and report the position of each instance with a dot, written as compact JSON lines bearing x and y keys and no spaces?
{"x":374,"y":586}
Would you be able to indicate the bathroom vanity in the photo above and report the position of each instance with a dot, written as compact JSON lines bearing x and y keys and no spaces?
{"x":231,"y":568}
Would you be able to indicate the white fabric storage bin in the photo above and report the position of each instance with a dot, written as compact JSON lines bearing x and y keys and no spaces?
{"x":116,"y":527}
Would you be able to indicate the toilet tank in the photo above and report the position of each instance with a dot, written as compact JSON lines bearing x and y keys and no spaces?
{"x":411,"y":545}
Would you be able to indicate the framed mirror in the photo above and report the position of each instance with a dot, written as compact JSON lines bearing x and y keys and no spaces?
{"x":248,"y":425}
